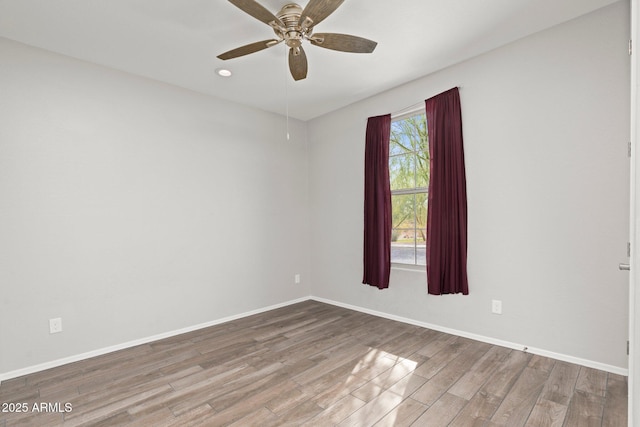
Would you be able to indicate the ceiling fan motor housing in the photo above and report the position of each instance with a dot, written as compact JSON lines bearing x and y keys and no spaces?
{"x":292,"y":33}
{"x":290,"y":15}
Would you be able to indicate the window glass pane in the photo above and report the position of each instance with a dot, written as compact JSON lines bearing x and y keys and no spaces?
{"x":401,"y":140}
{"x":402,"y":171}
{"x":422,"y":169}
{"x":403,"y":253}
{"x":421,"y":253}
{"x":395,"y":145}
{"x":421,"y":213}
{"x":409,"y":133}
{"x":409,"y":174}
{"x":403,"y":236}
{"x":421,"y":228}
{"x":402,"y":212}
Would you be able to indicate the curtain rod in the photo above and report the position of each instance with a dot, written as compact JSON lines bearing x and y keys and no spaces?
{"x":411,"y":108}
{"x":407,"y":110}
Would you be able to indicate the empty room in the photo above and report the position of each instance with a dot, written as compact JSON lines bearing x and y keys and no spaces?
{"x":328,"y":213}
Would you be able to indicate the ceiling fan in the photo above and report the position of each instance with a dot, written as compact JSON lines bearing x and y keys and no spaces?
{"x":293,"y":25}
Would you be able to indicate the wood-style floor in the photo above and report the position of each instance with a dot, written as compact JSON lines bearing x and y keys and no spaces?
{"x":318,"y":365}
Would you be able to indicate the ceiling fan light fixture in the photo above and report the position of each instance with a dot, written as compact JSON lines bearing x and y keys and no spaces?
{"x":223,"y":72}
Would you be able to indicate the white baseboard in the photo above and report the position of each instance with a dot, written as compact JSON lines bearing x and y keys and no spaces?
{"x":489,"y":340}
{"x":59,"y":362}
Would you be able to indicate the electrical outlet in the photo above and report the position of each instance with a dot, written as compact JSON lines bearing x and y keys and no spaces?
{"x":496,"y":306}
{"x":55,"y":325}
{"x":296,"y":279}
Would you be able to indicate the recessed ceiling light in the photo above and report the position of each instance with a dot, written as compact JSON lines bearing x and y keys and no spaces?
{"x":223,"y":72}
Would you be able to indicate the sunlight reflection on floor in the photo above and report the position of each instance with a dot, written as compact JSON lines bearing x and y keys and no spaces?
{"x":384,"y":390}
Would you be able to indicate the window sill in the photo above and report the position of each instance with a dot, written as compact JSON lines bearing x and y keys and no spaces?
{"x":409,"y":267}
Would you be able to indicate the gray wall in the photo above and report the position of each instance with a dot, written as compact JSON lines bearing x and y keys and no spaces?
{"x":131,"y":208}
{"x":546,"y":125}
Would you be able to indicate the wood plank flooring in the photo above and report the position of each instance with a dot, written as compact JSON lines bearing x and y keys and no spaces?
{"x":313,"y":364}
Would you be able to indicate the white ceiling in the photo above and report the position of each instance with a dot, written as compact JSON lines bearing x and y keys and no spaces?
{"x":176,"y":41}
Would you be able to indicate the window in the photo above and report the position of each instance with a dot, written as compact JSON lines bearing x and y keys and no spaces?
{"x":409,"y":177}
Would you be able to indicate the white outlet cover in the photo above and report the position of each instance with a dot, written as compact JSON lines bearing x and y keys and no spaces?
{"x":55,"y":325}
{"x":496,"y":306}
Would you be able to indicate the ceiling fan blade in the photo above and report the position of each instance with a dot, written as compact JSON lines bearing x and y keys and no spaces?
{"x":318,"y":10}
{"x":256,"y":10}
{"x":298,"y":63}
{"x":343,"y":42}
{"x":249,"y":48}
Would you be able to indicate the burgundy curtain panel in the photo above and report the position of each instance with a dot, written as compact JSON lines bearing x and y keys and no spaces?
{"x":447,"y":209}
{"x":377,"y":203}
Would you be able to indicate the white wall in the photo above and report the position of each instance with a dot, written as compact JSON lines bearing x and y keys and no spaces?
{"x":546,"y":125}
{"x":131,"y":208}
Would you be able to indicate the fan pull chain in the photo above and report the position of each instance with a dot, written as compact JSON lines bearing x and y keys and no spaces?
{"x":286,"y":92}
